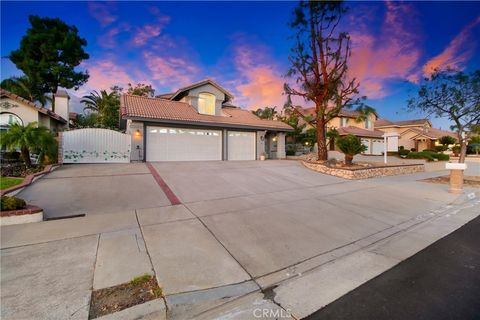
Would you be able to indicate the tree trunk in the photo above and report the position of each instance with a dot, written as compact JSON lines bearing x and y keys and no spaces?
{"x":321,"y":141}
{"x":348,"y":159}
{"x":463,"y":147}
{"x":26,"y":156}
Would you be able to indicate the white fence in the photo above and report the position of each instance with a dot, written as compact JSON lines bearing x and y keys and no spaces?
{"x":95,"y":146}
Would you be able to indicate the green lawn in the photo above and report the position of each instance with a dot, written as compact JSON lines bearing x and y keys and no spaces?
{"x":6,"y":182}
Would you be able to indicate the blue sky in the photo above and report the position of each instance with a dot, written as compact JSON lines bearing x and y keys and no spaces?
{"x":245,"y":46}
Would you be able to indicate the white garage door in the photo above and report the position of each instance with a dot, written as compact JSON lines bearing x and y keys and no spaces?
{"x":366,"y":143}
{"x":180,"y":144}
{"x":377,"y":146}
{"x":241,"y":145}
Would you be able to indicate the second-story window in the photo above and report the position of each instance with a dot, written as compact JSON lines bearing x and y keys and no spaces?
{"x":343,"y":122}
{"x":206,"y":103}
{"x":368,"y":123}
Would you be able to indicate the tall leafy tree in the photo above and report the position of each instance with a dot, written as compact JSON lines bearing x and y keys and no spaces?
{"x":141,"y":89}
{"x":268,"y":113}
{"x":319,"y":65}
{"x":454,"y":95}
{"x":49,"y":53}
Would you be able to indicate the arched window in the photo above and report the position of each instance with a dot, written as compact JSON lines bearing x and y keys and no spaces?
{"x":7,"y":118}
{"x":206,"y":103}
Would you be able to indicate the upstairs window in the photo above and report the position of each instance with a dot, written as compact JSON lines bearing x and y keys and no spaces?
{"x":343,"y":122}
{"x":368,"y":123}
{"x":206,"y":103}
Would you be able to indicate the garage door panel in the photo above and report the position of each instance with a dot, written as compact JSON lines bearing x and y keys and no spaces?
{"x":180,"y":144}
{"x":241,"y":145}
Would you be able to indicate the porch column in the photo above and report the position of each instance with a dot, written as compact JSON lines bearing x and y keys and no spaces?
{"x":281,"y":153}
{"x":261,"y":144}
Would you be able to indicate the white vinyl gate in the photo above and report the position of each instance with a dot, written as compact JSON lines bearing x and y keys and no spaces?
{"x":93,"y":145}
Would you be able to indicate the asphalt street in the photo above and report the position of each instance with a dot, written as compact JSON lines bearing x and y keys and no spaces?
{"x":440,"y":282}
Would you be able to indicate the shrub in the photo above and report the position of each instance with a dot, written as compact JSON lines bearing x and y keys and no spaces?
{"x":446,"y":140}
{"x":420,"y":155}
{"x":290,"y":153}
{"x":441,"y":148}
{"x":11,"y":203}
{"x":429,"y":150}
{"x":413,"y":150}
{"x":350,"y":145}
{"x":428,"y":155}
{"x":403,"y":152}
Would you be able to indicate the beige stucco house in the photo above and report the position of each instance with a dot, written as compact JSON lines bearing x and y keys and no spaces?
{"x":415,"y":134}
{"x":199,"y":122}
{"x":15,"y":109}
{"x":346,"y":123}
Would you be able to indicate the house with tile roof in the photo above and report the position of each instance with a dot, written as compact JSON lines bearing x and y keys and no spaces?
{"x":415,"y":134}
{"x":347,"y":123}
{"x":15,"y":109}
{"x":199,"y":122}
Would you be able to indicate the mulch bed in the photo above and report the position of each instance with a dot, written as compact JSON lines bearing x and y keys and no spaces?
{"x":469,"y":181}
{"x":117,"y":298}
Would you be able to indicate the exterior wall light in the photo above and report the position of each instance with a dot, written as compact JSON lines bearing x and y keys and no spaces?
{"x":137,"y":133}
{"x":274,"y":138}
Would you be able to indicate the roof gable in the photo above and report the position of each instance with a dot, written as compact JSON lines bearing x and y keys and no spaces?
{"x":199,"y":84}
{"x":45,"y":111}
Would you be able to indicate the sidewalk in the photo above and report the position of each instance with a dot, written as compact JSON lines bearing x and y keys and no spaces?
{"x":210,"y":269}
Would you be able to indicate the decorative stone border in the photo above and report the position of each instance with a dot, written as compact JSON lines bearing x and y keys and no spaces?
{"x":365,"y":173}
{"x":28,"y":180}
{"x":27,"y":215}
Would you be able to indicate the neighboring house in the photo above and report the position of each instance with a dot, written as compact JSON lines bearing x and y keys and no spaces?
{"x":415,"y":134}
{"x":346,"y":123}
{"x":199,"y":122}
{"x":15,"y":109}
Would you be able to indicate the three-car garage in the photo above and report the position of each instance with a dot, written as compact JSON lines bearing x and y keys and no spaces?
{"x":198,"y":144}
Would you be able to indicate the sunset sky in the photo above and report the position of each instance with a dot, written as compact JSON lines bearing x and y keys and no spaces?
{"x":244,"y":46}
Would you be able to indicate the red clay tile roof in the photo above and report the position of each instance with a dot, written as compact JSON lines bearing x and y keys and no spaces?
{"x":414,"y":122}
{"x":360,"y":132}
{"x":8,"y":94}
{"x":145,"y":108}
{"x":199,"y":83}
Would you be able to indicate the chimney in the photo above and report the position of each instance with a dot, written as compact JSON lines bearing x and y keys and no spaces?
{"x":62,"y":104}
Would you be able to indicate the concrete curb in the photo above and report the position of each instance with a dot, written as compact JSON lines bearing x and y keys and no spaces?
{"x":31,"y":178}
{"x":153,"y":309}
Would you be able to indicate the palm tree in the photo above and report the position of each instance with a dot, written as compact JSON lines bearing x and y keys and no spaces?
{"x":29,"y":138}
{"x":350,"y":146}
{"x":106,"y":105}
{"x":25,"y":88}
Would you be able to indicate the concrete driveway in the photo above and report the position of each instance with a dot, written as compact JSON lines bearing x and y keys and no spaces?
{"x":95,"y":188}
{"x":240,"y":226}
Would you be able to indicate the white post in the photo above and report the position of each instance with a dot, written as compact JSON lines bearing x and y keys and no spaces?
{"x":385,"y":141}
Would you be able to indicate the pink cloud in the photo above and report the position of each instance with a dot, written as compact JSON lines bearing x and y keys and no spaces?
{"x":170,"y":71}
{"x":458,"y":51}
{"x":391,"y":55}
{"x":106,"y":72}
{"x":109,"y":39}
{"x":101,"y":12}
{"x":261,"y":82}
{"x":150,"y":31}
